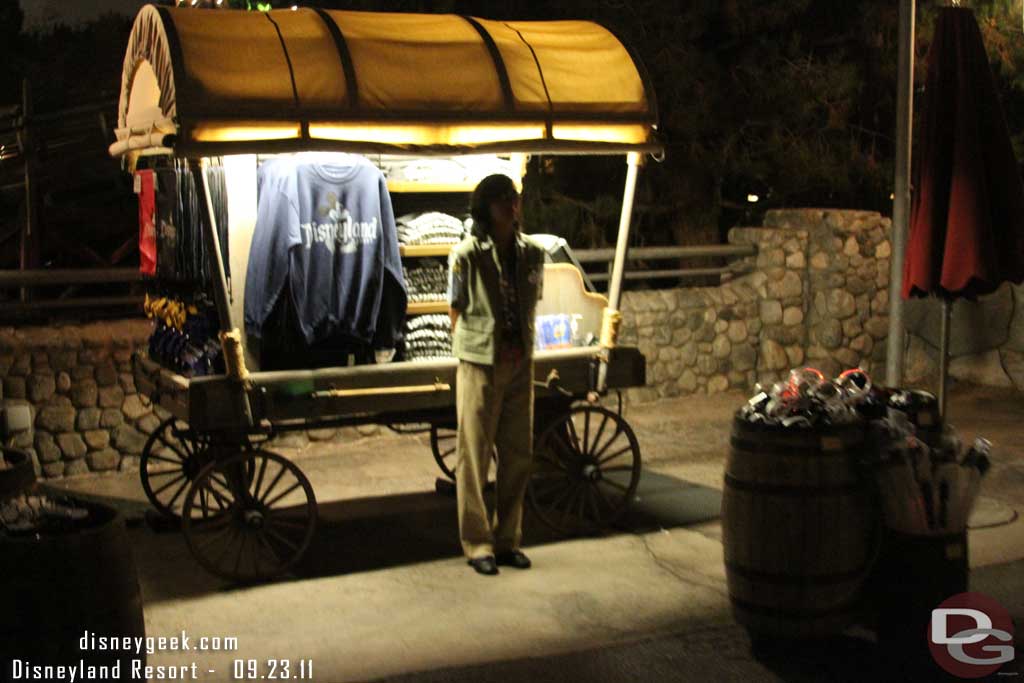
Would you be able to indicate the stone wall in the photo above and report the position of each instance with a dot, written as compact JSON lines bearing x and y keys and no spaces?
{"x":83,"y":412}
{"x":986,"y":339}
{"x":816,"y":293}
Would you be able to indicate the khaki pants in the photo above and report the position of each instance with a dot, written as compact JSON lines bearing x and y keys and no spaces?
{"x":495,"y":409}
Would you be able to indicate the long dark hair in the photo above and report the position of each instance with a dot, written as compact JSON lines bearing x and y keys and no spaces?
{"x":490,"y":189}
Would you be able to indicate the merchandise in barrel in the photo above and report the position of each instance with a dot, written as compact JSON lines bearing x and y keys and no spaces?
{"x":798,"y":528}
{"x":67,"y":570}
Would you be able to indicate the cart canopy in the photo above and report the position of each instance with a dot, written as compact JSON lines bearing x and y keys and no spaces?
{"x":220,"y":81}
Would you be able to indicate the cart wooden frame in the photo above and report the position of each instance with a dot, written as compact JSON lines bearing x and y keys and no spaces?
{"x":249,"y":514}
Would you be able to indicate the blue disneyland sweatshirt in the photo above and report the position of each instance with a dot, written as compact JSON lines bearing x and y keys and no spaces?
{"x":326,"y":228}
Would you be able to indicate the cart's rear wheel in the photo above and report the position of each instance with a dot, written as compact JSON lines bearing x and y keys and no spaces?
{"x":442,"y":445}
{"x":586,"y":470}
{"x":246,"y":527}
{"x":171,"y":460}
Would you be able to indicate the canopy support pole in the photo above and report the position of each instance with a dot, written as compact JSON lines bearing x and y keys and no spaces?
{"x":947,"y":313}
{"x":901,"y":194}
{"x":612,"y":317}
{"x":230,"y":337}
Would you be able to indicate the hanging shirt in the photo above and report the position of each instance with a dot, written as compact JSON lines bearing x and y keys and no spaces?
{"x":326,"y":227}
{"x":147,"y":222}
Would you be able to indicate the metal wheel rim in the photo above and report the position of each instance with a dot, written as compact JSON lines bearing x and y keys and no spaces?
{"x":565,"y":492}
{"x":166,"y":475}
{"x":220,"y":508}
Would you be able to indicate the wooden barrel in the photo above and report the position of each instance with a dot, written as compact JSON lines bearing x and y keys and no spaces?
{"x":797,"y":528}
{"x":58,"y":586}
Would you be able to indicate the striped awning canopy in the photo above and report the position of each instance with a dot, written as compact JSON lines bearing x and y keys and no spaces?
{"x":207,"y":82}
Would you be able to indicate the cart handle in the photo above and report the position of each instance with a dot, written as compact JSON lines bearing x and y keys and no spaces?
{"x":436,"y":387}
{"x":554,"y":383}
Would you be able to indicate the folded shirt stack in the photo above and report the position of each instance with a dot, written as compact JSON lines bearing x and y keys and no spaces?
{"x":426,"y":279}
{"x":430,"y":228}
{"x":464,"y":169}
{"x":428,"y":337}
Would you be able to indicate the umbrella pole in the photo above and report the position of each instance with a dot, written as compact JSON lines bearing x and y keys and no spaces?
{"x":901,"y":193}
{"x":947,"y":313}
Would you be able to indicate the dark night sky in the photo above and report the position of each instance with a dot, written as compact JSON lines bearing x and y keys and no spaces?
{"x":40,"y":13}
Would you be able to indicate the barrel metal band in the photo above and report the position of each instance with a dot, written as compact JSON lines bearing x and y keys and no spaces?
{"x":796,"y":579}
{"x":762,"y":448}
{"x":791,"y":490}
{"x":795,"y":613}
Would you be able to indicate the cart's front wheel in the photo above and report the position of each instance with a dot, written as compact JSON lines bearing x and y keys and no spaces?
{"x":249,"y":527}
{"x":171,"y":460}
{"x":586,"y":470}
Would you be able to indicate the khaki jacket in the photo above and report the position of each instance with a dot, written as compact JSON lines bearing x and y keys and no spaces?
{"x":474,"y":290}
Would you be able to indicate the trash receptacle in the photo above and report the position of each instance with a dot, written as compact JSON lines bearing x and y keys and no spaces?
{"x":798,"y":528}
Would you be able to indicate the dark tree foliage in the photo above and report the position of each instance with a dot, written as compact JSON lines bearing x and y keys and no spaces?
{"x":11,"y":57}
{"x":789,"y":100}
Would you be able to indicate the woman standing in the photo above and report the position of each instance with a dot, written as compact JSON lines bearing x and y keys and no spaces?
{"x":495,"y":280}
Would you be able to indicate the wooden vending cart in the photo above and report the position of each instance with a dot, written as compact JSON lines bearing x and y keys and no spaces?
{"x":234,"y":84}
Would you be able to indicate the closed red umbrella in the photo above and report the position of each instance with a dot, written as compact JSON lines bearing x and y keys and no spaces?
{"x":967,"y":219}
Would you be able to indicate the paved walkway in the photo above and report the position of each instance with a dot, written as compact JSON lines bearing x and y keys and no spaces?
{"x":385,"y":594}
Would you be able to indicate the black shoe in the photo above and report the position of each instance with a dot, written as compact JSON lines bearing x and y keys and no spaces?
{"x":484,"y":565}
{"x":513,"y":558}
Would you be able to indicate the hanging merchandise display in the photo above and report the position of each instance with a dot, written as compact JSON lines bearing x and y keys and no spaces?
{"x":178,"y":211}
{"x":325,"y":238}
{"x":147,"y":226}
{"x":184,"y":338}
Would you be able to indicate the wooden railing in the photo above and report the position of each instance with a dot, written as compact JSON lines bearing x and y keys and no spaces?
{"x":638,"y":262}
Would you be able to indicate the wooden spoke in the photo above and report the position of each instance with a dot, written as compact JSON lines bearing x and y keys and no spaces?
{"x":162,"y":458}
{"x":171,"y":483}
{"x":281,"y":539}
{"x":611,"y":439}
{"x":600,"y":431}
{"x":586,"y":431}
{"x":273,"y":484}
{"x":281,"y":495}
{"x":628,"y":448}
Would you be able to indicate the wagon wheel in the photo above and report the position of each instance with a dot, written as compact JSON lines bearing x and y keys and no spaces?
{"x":249,"y":528}
{"x":586,"y":470}
{"x":171,"y":460}
{"x":442,"y":445}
